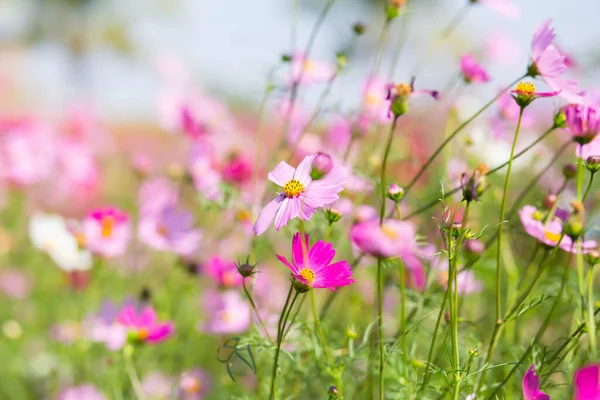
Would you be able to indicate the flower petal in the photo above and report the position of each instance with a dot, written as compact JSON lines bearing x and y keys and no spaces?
{"x":282,"y":173}
{"x":267,"y":215}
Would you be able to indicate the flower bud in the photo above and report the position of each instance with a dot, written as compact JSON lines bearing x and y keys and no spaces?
{"x":246,"y":270}
{"x":321,"y":165}
{"x":447,"y":317}
{"x":333,"y":215}
{"x":456,"y":229}
{"x":574,"y":227}
{"x":560,"y":119}
{"x":592,"y":257}
{"x":474,"y":246}
{"x":569,"y":171}
{"x":417,"y":363}
{"x":393,"y":8}
{"x":550,"y":201}
{"x":286,"y":58}
{"x":333,"y":391}
{"x":359,"y":28}
{"x":351,"y":332}
{"x":593,"y":164}
{"x":473,"y":185}
{"x":341,"y":60}
{"x":395,"y":192}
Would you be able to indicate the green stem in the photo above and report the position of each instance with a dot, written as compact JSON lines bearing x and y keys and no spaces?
{"x":133,"y":376}
{"x":453,"y":135}
{"x":591,"y":315}
{"x":498,"y":324}
{"x":403,"y":321}
{"x":278,"y":347}
{"x":579,"y":178}
{"x":386,"y":153}
{"x":380,"y":324}
{"x":589,"y":186}
{"x":256,"y":310}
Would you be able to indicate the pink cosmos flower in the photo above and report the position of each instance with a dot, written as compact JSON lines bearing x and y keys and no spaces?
{"x":156,"y":194}
{"x":392,"y":239}
{"x":531,"y":386}
{"x":503,"y":7}
{"x":227,"y":312}
{"x":107,"y":231}
{"x":203,"y":171}
{"x":549,"y":232}
{"x":467,"y":283}
{"x":171,"y":229}
{"x":237,"y":169}
{"x":551,"y":64}
{"x":194,"y":384}
{"x":224,"y":273}
{"x":312,"y":265}
{"x":144,"y":326}
{"x":157,"y":385}
{"x":305,"y":70}
{"x":86,"y":391}
{"x":527,"y":91}
{"x":587,"y":383}
{"x":376,"y":104}
{"x":472,"y":71}
{"x":15,"y":283}
{"x":104,"y":327}
{"x":583,"y":120}
{"x":301,"y":195}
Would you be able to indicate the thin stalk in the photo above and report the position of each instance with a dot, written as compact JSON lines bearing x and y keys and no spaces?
{"x":133,"y":376}
{"x":498,"y":324}
{"x":253,"y":305}
{"x":259,"y":140}
{"x":591,"y":316}
{"x":453,"y":135}
{"x":589,"y":186}
{"x":386,"y":153}
{"x":278,"y":348}
{"x":403,"y":320}
{"x":380,"y":324}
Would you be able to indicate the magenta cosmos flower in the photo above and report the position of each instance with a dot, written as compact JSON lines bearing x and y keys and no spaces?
{"x":549,"y":63}
{"x":472,"y":71}
{"x":86,"y":391}
{"x":107,"y":231}
{"x":549,"y":232}
{"x":392,"y":239}
{"x":170,"y":229}
{"x":301,"y":195}
{"x":587,"y":383}
{"x":312,"y":265}
{"x":503,"y":7}
{"x":144,"y":326}
{"x":531,"y":386}
{"x":223,"y":272}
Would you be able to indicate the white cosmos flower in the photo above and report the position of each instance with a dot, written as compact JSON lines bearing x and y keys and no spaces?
{"x":50,"y":234}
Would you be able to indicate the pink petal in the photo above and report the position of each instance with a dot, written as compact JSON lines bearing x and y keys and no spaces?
{"x":286,"y":263}
{"x":289,"y":209}
{"x":267,"y":215}
{"x":147,"y":317}
{"x":303,"y":171}
{"x":282,"y":173}
{"x":587,"y":383}
{"x":128,"y":316}
{"x":320,"y":255}
{"x":160,"y":332}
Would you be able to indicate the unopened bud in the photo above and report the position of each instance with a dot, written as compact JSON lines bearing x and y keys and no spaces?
{"x":574,"y":227}
{"x":351,"y":332}
{"x":593,"y":164}
{"x":592,"y":257}
{"x":550,"y":201}
{"x":359,"y":28}
{"x":286,"y":58}
{"x":474,"y":246}
{"x":321,"y":165}
{"x":333,"y":391}
{"x":246,"y":270}
{"x":474,"y":184}
{"x":569,"y":171}
{"x":333,"y":215}
{"x":560,"y":119}
{"x":447,"y":317}
{"x":395,"y":192}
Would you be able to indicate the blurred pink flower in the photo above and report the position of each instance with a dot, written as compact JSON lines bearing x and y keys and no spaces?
{"x":501,"y":48}
{"x":587,"y":383}
{"x":472,"y":71}
{"x":305,"y":70}
{"x":144,"y":326}
{"x":312,"y":265}
{"x":194,"y":384}
{"x":549,"y":232}
{"x":531,"y":386}
{"x":222,"y":272}
{"x":78,"y":173}
{"x":14,"y":283}
{"x":156,"y":194}
{"x":107,"y":231}
{"x":203,"y":171}
{"x":392,"y":239}
{"x":503,"y":7}
{"x":376,"y":104}
{"x":467,"y":283}
{"x":105,"y":328}
{"x":157,"y":386}
{"x":227,"y":312}
{"x":590,"y":149}
{"x":87,"y":391}
{"x":550,"y":63}
{"x":170,"y":229}
{"x":237,"y":169}
{"x":301,"y":195}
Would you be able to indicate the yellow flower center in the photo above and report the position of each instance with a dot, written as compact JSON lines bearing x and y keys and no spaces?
{"x":553,"y":237}
{"x":403,"y":89}
{"x":525,"y":87}
{"x":308,"y":275}
{"x":293,"y":188}
{"x":388,"y":232}
{"x":142,"y":334}
{"x":243,"y":216}
{"x":108,"y":224}
{"x":80,"y":237}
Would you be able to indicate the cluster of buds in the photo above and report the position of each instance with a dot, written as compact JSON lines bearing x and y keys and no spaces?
{"x":474,"y":184}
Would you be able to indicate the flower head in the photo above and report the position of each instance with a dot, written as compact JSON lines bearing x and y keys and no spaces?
{"x":170,"y":229}
{"x":472,"y":71}
{"x":227,"y":312}
{"x":224,"y":273}
{"x":86,"y":391}
{"x":194,"y":384}
{"x":531,"y":386}
{"x":392,"y":239}
{"x":312,"y":266}
{"x":549,"y":63}
{"x":525,"y":93}
{"x":583,"y":120}
{"x":305,"y":70}
{"x":144,"y":326}
{"x":400,"y":93}
{"x":107,"y":231}
{"x":301,"y":195}
{"x":587,"y":383}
